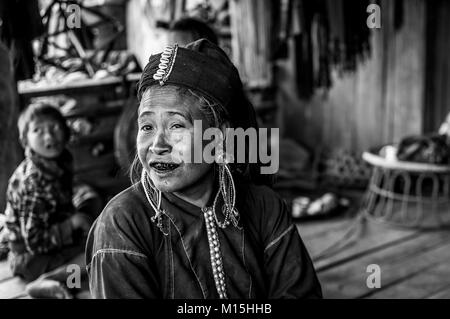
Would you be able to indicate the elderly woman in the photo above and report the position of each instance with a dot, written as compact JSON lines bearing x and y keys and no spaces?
{"x":189,"y":229}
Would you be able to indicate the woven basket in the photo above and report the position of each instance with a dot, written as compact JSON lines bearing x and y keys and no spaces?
{"x":408,"y":194}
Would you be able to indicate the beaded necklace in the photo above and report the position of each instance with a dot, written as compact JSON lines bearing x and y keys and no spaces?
{"x":209,"y":213}
{"x":215,"y":252}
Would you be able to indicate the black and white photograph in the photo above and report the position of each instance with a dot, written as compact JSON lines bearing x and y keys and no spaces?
{"x":242,"y":151}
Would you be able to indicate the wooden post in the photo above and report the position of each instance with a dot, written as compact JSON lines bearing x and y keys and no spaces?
{"x":143,"y":38}
{"x":9,"y":147}
{"x":251,"y":30}
{"x":438,"y":66}
{"x":405,"y":96}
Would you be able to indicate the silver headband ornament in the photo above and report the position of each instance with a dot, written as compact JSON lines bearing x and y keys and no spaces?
{"x":165,"y":66}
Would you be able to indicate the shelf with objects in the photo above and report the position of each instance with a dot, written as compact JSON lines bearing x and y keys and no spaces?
{"x":84,"y":68}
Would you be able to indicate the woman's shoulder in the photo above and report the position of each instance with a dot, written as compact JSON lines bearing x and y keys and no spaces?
{"x":258,"y":195}
{"x":266,"y":213}
{"x":125,"y":205}
{"x":123,"y":224}
{"x":260,"y":203}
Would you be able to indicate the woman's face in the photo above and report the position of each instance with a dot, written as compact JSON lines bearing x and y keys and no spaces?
{"x":165,"y":138}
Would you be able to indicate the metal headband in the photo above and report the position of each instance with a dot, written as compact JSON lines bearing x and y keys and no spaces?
{"x":165,"y":66}
{"x":208,"y":72}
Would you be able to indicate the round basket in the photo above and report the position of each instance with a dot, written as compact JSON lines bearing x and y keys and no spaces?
{"x":408,"y":194}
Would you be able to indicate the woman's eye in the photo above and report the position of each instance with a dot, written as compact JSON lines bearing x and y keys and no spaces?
{"x":175,"y":126}
{"x":146,"y":128}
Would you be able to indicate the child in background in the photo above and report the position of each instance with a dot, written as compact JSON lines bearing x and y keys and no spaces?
{"x":44,"y":232}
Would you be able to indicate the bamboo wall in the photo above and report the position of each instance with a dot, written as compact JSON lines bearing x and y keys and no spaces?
{"x":380,"y":103}
{"x":251,"y":30}
{"x":143,"y":38}
{"x":400,"y":90}
{"x":438,"y":64}
{"x":10,"y":151}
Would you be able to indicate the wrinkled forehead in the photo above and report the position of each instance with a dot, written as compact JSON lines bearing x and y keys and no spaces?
{"x":170,"y":97}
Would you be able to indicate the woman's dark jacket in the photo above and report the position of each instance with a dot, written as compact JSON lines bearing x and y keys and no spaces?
{"x":129,"y":257}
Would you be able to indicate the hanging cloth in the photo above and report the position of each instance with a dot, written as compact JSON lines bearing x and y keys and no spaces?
{"x":21,"y":23}
{"x":327,"y":34}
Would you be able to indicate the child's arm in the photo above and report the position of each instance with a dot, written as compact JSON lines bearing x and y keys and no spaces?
{"x":39,"y":236}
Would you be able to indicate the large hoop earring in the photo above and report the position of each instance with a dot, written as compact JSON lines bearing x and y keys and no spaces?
{"x":227,"y":191}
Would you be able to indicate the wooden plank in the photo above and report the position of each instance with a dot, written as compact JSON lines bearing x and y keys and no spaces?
{"x":10,"y":151}
{"x":85,"y":294}
{"x":420,"y":285}
{"x":397,"y":263}
{"x":349,"y":279}
{"x":143,"y":38}
{"x":311,"y":230}
{"x":438,"y":66}
{"x":251,"y":49}
{"x":27,"y":88}
{"x":409,"y":86}
{"x":319,"y":237}
{"x":14,"y":287}
{"x":389,"y":70}
{"x":442,"y":294}
{"x":365,"y":238}
{"x":369,"y":102}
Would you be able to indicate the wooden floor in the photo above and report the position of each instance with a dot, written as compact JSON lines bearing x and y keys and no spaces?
{"x":14,"y":288}
{"x":413,"y":264}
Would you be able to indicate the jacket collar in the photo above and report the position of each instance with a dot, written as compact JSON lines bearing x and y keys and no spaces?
{"x":182,"y":213}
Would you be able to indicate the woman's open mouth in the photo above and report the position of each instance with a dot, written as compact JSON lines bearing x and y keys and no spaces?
{"x":162,"y":167}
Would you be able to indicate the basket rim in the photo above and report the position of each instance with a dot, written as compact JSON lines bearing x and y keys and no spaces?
{"x":379,"y":161}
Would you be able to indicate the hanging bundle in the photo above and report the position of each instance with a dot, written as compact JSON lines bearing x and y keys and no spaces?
{"x":327,"y":34}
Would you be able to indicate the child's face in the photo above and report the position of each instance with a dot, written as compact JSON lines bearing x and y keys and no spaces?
{"x":46,"y":137}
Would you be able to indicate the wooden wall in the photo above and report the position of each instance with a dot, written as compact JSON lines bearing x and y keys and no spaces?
{"x":438,"y":64}
{"x":143,"y":38}
{"x":379,"y":103}
{"x":10,"y":151}
{"x":251,"y":49}
{"x":400,"y":90}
